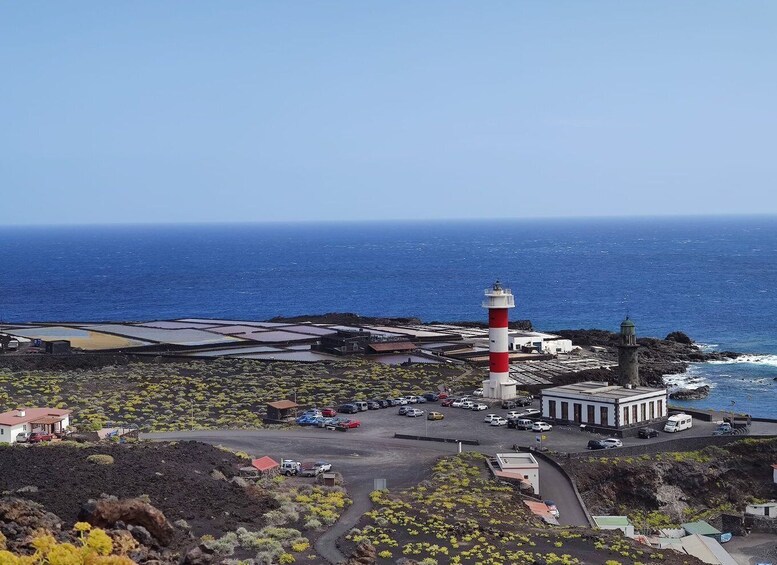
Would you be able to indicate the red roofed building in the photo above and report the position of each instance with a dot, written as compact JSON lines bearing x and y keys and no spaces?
{"x":22,"y":420}
{"x":265,"y":465}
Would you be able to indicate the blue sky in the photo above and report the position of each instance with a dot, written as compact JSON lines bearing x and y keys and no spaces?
{"x":296,"y":111}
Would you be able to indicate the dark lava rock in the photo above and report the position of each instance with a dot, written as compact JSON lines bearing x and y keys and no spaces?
{"x":691,"y":393}
{"x":679,"y":337}
{"x":20,"y":518}
{"x":135,"y":512}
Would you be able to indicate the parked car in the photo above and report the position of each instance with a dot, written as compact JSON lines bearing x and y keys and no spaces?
{"x":324,"y":466}
{"x":467,"y":404}
{"x":552,"y":508}
{"x":421,"y":400}
{"x":385,"y":403}
{"x":361,"y":405}
{"x":403,"y":410}
{"x":516,"y":402}
{"x":442,"y":395}
{"x":513,"y":414}
{"x":431,"y":396}
{"x":328,"y":412}
{"x":373,"y":405}
{"x":435,"y":416}
{"x":308,"y":420}
{"x":37,"y":437}
{"x":611,"y":442}
{"x":595,"y":444}
{"x":520,"y":423}
{"x":723,"y":429}
{"x":289,"y":467}
{"x":350,"y":423}
{"x":541,"y":427}
{"x":499,"y":421}
{"x":329,"y":423}
{"x":477,"y":392}
{"x":411,"y":399}
{"x":348,"y":409}
{"x":23,"y":437}
{"x":530,"y":412}
{"x":414,"y":412}
{"x":489,"y":417}
{"x":647,"y":433}
{"x":458,"y":403}
{"x":309,"y":469}
{"x":447,"y":402}
{"x":479,"y":406}
{"x":395,"y":402}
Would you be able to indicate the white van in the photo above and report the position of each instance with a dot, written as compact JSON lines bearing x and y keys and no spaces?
{"x":678,"y":423}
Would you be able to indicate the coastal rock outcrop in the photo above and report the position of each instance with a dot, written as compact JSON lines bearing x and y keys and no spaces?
{"x":690,"y":393}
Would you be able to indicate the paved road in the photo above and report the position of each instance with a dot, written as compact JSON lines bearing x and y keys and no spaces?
{"x":360,"y":460}
{"x":371,"y":452}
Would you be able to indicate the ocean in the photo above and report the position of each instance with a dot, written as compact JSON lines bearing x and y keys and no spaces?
{"x":713,"y":278}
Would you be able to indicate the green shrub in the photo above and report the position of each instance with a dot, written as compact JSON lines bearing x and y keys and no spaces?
{"x":100,"y":459}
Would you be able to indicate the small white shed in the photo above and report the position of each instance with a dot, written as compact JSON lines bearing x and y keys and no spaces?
{"x":767,"y":509}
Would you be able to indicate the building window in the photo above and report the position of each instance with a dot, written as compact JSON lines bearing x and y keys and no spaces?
{"x":626,"y":416}
{"x":551,"y":408}
{"x":634,"y":413}
{"x":604,"y":416}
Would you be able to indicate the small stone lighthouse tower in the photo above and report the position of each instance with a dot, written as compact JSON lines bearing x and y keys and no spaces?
{"x":498,"y":301}
{"x":628,"y":357}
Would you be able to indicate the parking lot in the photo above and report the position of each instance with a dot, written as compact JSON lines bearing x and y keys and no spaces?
{"x":469,"y":425}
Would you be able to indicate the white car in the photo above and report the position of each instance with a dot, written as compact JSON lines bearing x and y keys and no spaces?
{"x":477,"y":406}
{"x":529,"y":412}
{"x":402,"y":401}
{"x":499,"y":421}
{"x":414,"y":412}
{"x":412,"y":399}
{"x":457,"y":403}
{"x":541,"y":427}
{"x":467,"y":404}
{"x":477,"y":392}
{"x":489,"y":417}
{"x":323,"y":465}
{"x":513,"y":414}
{"x":611,"y":442}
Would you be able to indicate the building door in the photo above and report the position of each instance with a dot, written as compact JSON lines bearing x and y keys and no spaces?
{"x":634,"y":413}
{"x":591,"y":414}
{"x":565,"y":411}
{"x":643,"y":408}
{"x":551,"y":409}
{"x":603,"y":416}
{"x":626,"y":416}
{"x":578,"y":412}
{"x":652,"y":410}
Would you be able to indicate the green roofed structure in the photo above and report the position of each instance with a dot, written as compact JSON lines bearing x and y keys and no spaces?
{"x":614,"y":523}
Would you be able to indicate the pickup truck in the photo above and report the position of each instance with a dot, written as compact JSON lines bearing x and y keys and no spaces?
{"x":309,"y":469}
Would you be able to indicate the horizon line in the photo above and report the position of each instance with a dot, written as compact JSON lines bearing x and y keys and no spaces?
{"x":763,"y":215}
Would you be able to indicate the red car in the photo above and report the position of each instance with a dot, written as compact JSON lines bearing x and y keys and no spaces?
{"x":447,"y":402}
{"x":328,"y":412}
{"x":37,"y":437}
{"x":442,"y":395}
{"x":350,"y":424}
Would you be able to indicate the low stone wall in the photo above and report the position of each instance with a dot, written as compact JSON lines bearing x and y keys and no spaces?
{"x":761,"y":524}
{"x":651,"y":447}
{"x":440,"y":439}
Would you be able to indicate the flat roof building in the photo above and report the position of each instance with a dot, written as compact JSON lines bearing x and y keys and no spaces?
{"x":521,"y":466}
{"x":22,"y":420}
{"x":601,"y":405}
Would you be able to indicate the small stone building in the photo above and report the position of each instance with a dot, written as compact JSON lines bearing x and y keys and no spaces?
{"x":281,"y":412}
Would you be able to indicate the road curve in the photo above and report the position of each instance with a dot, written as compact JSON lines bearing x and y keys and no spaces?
{"x":361,"y":459}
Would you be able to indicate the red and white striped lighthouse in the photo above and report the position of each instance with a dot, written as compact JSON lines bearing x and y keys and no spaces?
{"x":499,"y":385}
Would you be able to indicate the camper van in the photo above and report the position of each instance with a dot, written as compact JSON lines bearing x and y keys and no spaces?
{"x":678,"y":422}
